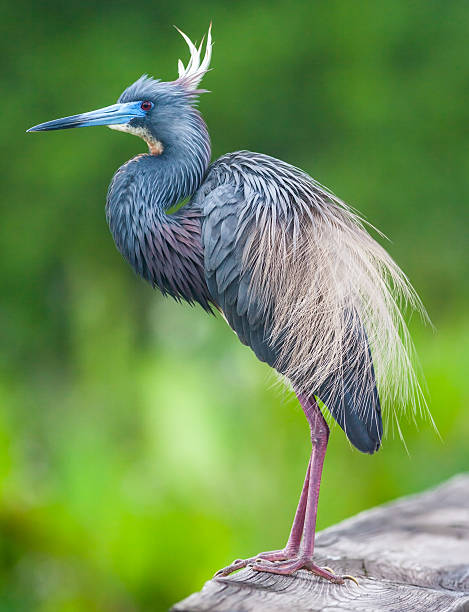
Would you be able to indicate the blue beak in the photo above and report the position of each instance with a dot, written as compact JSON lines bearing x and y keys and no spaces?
{"x":110,"y":115}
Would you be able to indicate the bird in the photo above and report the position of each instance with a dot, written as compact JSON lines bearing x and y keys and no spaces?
{"x":293,"y":269}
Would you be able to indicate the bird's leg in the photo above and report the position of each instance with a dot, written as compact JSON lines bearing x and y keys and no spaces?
{"x":293,"y":544}
{"x":294,"y":539}
{"x":302,"y":557}
{"x":298,"y":552}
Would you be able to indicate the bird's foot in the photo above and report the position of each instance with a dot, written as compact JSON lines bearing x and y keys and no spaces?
{"x":271,"y":556}
{"x":286,"y":567}
{"x":284,"y":562}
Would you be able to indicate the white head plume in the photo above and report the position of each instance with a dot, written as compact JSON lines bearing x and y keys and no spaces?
{"x":191,"y":75}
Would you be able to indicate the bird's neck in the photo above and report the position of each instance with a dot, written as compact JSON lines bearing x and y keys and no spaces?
{"x":140,"y":194}
{"x":169,"y":173}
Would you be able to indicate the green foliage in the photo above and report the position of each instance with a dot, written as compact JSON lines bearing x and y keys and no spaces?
{"x":141,"y":446}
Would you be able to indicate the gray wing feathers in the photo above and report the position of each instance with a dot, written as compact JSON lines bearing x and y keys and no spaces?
{"x":225,"y":216}
{"x":242,"y":193}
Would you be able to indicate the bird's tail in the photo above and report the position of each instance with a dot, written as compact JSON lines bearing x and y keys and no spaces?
{"x":325,"y":280}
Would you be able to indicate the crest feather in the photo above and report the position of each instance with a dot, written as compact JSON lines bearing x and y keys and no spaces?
{"x":191,"y":75}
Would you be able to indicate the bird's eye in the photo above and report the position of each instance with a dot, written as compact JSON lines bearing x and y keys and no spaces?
{"x":146,"y":105}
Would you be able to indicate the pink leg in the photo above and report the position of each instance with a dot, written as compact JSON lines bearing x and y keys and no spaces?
{"x":294,"y":539}
{"x":293,"y":544}
{"x":319,"y":440}
{"x":303,"y":557}
{"x":298,"y":552}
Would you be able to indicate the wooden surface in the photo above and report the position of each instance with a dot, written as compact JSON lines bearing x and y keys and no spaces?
{"x":409,"y":555}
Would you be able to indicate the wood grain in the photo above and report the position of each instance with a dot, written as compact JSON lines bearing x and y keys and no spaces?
{"x":409,"y":555}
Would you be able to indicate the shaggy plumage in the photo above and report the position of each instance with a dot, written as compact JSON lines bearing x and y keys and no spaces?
{"x":300,"y":281}
{"x":291,"y":266}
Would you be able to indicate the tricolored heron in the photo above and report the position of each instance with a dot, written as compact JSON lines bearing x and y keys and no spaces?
{"x":289,"y":265}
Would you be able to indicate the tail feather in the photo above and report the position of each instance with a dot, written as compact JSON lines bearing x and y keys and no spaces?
{"x":356,"y":406}
{"x":365,"y":432}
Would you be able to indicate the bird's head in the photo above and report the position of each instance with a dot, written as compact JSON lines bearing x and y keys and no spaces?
{"x":151,"y":109}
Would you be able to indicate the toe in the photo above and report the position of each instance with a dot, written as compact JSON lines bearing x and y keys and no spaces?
{"x":235,"y":566}
{"x":285,"y":568}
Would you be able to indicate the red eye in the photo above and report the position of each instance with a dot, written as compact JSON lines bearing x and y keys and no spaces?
{"x":146,"y":105}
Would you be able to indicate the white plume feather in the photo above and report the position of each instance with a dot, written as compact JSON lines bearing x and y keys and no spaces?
{"x":191,"y":75}
{"x":323,"y":277}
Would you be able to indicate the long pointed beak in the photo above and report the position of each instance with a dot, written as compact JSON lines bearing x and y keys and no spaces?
{"x":110,"y":115}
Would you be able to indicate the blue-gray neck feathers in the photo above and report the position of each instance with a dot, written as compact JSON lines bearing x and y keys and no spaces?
{"x":144,"y":188}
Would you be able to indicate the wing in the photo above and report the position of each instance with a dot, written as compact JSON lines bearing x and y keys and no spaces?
{"x":242,"y":193}
{"x":224,"y":242}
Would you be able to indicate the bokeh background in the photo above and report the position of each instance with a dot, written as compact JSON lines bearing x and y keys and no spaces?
{"x":142,"y":446}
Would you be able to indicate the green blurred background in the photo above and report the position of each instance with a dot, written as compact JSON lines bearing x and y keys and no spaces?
{"x":142,"y":446}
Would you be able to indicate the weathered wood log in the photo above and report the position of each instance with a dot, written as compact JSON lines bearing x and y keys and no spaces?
{"x":411,"y":555}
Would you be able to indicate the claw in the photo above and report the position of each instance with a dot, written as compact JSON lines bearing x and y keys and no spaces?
{"x":328,"y":569}
{"x":352,"y":578}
